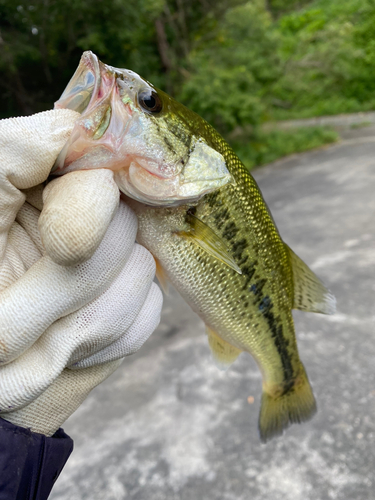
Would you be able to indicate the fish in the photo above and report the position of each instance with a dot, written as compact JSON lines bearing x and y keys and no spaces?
{"x":203,"y":218}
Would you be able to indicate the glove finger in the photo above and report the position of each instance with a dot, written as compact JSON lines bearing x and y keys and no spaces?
{"x":105,"y":320}
{"x":28,"y":148}
{"x":50,"y":410}
{"x":47,"y":291}
{"x":78,"y":208}
{"x":19,"y":256}
{"x":29,"y":145}
{"x":27,"y":218}
{"x":79,"y":334}
{"x":129,"y":343}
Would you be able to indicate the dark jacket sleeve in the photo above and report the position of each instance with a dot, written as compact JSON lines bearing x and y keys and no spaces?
{"x":30,"y":463}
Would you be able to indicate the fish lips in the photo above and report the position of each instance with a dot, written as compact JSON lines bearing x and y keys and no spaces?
{"x":144,"y":186}
{"x":84,"y":85}
{"x":91,"y":92}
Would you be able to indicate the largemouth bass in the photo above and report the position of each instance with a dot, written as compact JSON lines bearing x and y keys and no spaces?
{"x":203,"y":218}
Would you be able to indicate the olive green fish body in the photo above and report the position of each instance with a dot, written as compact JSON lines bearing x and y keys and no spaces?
{"x":202,"y":216}
{"x":250,"y":311}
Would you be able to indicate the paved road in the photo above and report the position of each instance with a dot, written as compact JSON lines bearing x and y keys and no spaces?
{"x":169,"y":426}
{"x":343,"y":122}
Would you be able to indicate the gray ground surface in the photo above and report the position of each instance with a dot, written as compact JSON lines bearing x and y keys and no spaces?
{"x":168,"y":425}
{"x":339,"y":122}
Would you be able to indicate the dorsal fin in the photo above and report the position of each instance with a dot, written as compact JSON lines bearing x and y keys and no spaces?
{"x":223,"y":353}
{"x":203,"y":236}
{"x":309,"y":292}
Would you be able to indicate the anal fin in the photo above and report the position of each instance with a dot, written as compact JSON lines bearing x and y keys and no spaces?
{"x":223,"y":353}
{"x":309,"y":292}
{"x":161,"y":276}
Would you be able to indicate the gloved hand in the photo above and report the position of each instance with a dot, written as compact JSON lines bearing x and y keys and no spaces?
{"x":76,"y":292}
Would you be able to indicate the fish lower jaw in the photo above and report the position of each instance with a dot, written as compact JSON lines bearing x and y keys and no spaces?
{"x":146,"y":187}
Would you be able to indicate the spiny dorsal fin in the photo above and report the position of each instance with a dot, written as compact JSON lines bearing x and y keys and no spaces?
{"x":223,"y":353}
{"x":203,"y":236}
{"x":309,"y":292}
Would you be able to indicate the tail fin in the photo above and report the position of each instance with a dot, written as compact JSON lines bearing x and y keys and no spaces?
{"x":295,"y":406}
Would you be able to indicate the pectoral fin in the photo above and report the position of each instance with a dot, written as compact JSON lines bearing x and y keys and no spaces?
{"x":223,"y":353}
{"x":203,"y":236}
{"x":309,"y":292}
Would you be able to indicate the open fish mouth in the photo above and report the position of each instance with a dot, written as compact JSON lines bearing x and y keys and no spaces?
{"x":127,"y":126}
{"x":93,"y":92}
{"x":83,"y":86}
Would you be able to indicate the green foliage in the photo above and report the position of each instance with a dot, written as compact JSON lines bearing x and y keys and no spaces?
{"x":279,"y":7}
{"x":231,"y":74}
{"x":318,"y":59}
{"x":266,"y":147}
{"x":321,"y":60}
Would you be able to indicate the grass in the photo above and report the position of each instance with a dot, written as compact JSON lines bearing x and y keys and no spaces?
{"x":264,"y":147}
{"x":361,"y":124}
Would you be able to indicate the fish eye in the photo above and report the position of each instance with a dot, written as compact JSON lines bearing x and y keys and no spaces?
{"x":150,"y":101}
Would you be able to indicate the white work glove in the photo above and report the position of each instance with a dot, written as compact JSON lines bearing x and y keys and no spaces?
{"x":76,"y":292}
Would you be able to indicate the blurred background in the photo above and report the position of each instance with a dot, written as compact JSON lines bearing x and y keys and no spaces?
{"x":241,"y":65}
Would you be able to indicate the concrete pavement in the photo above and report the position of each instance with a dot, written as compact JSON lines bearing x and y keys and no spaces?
{"x":343,"y":122}
{"x":169,"y":426}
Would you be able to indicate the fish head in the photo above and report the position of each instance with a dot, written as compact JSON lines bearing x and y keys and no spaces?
{"x":152,"y":143}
